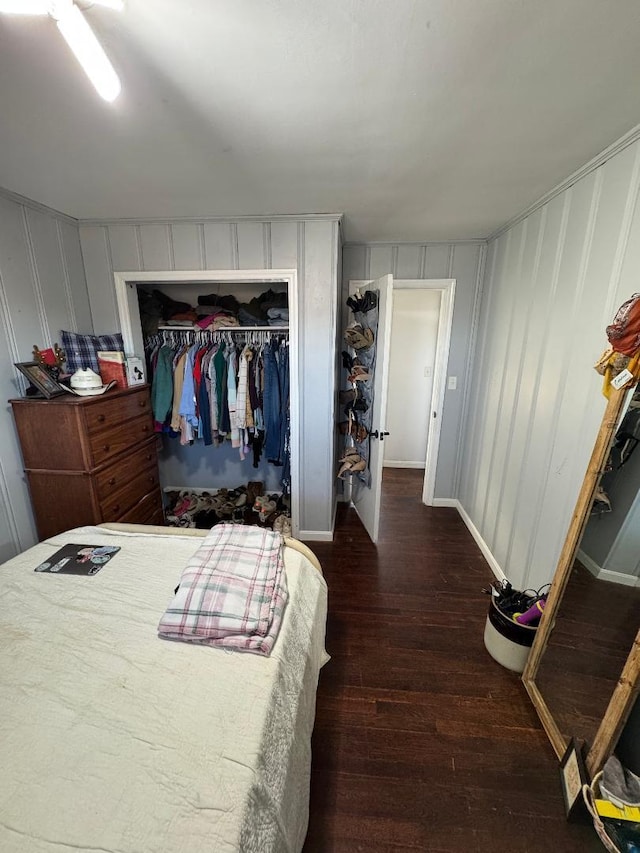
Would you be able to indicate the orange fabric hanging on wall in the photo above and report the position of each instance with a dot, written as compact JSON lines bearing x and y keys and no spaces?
{"x":624,"y":332}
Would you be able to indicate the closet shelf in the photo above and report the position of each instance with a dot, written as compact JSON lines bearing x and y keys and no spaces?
{"x":226,"y":329}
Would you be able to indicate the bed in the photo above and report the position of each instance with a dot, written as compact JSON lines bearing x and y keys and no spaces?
{"x":115,"y":740}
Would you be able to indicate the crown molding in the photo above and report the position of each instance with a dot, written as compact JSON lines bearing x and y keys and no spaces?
{"x":599,"y":160}
{"x":172,"y":220}
{"x":36,"y":205}
{"x":363,"y":243}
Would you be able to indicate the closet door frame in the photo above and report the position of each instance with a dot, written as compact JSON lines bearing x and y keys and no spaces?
{"x":126,"y":288}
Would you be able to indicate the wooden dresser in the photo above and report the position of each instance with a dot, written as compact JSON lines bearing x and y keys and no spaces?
{"x":90,"y":459}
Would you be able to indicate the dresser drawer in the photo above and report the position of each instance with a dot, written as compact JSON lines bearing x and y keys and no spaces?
{"x":146,"y":511}
{"x":103,"y":445}
{"x":144,"y":482}
{"x":111,"y":412}
{"x":112,"y":479}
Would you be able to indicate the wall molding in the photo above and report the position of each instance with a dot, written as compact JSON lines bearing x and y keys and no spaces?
{"x":494,"y":565}
{"x":66,"y":280}
{"x":364,"y":243}
{"x":606,"y":574}
{"x":618,"y":577}
{"x":401,"y":464}
{"x":446,"y":502}
{"x":36,"y":205}
{"x":315,"y":535}
{"x":35,"y":277}
{"x":11,"y":516}
{"x":589,"y":563}
{"x":471,"y":353}
{"x":253,"y":217}
{"x":599,"y":160}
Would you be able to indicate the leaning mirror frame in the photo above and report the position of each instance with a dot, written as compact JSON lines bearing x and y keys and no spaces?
{"x":628,"y":683}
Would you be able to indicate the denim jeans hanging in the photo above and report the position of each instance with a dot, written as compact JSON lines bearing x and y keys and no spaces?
{"x":272,"y":403}
{"x":283,"y":376}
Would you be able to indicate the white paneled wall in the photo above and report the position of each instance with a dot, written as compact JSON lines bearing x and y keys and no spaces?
{"x":462,"y":261}
{"x":310,"y":245}
{"x":552,"y":284}
{"x":42,"y":290}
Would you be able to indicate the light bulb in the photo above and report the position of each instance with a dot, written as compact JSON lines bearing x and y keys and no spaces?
{"x":116,"y":5}
{"x":25,"y":7}
{"x":88,"y":50}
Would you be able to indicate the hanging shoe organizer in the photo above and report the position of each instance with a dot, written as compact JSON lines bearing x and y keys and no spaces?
{"x":357,"y":399}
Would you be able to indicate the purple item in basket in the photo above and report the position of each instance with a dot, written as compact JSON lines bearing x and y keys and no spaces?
{"x":531,"y":615}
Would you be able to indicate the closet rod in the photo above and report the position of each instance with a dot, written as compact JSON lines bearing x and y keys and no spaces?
{"x":236,"y":329}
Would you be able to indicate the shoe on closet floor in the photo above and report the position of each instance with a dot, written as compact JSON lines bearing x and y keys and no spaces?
{"x":282,"y":525}
{"x":267,"y":508}
{"x":255,"y":488}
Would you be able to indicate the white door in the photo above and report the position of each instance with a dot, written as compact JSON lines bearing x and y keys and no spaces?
{"x":366,"y":499}
{"x":412,"y":359}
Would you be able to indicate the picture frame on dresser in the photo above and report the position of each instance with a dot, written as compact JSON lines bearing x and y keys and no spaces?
{"x":39,"y":378}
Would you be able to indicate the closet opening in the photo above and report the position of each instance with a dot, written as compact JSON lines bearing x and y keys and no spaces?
{"x":218,"y":313}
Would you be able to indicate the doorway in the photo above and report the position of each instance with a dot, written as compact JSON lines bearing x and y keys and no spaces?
{"x":414,"y":335}
{"x":368,"y":497}
{"x":446,"y":288}
{"x":126,"y":290}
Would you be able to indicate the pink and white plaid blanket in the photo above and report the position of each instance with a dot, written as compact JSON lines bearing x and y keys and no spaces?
{"x":232,"y":592}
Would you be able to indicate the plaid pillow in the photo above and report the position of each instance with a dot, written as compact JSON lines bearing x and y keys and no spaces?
{"x":81,"y":350}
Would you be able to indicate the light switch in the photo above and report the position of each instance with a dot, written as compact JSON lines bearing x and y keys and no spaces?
{"x":453,"y":383}
{"x":428,"y":372}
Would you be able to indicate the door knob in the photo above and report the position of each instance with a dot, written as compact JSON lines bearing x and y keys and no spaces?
{"x":380,"y":435}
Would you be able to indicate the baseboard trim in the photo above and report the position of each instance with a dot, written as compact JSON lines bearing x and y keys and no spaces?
{"x":589,"y":563}
{"x":315,"y":535}
{"x":486,"y":551}
{"x":395,"y":464}
{"x":617,"y":577}
{"x":606,"y":574}
{"x":451,"y":502}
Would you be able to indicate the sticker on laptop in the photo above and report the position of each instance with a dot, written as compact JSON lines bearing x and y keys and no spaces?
{"x":78,"y":559}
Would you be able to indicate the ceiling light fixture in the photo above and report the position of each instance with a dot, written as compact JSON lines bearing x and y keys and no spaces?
{"x":78,"y":35}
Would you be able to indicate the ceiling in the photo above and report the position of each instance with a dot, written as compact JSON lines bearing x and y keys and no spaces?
{"x":418,"y":119}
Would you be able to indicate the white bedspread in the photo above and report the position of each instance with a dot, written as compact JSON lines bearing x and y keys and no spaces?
{"x":112,"y":739}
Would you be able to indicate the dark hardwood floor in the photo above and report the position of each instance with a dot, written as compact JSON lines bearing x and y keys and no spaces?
{"x":593,"y":635}
{"x":422,"y":741}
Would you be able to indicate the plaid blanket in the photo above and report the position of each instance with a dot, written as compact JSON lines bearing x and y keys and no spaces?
{"x":232,"y":593}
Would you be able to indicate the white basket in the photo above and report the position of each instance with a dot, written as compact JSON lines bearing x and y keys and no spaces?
{"x":591,"y":793}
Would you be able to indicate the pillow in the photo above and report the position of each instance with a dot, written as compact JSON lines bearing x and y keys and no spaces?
{"x":81,"y":350}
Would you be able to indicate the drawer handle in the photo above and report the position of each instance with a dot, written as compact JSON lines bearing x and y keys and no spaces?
{"x":152,"y":478}
{"x":149,"y":456}
{"x":106,"y":447}
{"x":112,"y":481}
{"x":145,"y":428}
{"x":116,"y":508}
{"x":101,"y":419}
{"x":142,"y":403}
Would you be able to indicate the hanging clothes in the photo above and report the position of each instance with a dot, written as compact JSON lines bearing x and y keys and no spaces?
{"x":222,"y":387}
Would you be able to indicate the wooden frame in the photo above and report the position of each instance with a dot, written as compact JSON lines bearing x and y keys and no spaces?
{"x":40,"y":378}
{"x":628,"y":685}
{"x":573,"y":776}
